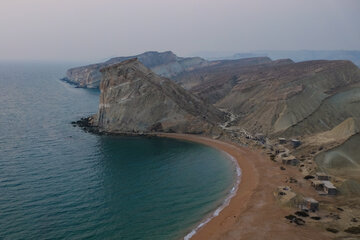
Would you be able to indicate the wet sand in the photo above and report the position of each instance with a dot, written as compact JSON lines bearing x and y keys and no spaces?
{"x":253,"y":213}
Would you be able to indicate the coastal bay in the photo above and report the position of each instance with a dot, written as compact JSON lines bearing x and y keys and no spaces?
{"x":253,"y":212}
{"x":57,"y":181}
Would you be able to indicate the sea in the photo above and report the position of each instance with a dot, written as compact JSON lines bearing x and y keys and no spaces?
{"x":59,"y":182}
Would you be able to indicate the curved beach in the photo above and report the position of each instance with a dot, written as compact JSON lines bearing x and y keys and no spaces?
{"x":253,"y":212}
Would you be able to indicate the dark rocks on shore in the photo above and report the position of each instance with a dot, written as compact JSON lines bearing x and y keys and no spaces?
{"x":67,"y":80}
{"x":353,"y":230}
{"x":333,"y":230}
{"x":86,"y":125}
{"x":301,"y":214}
{"x":307,"y":177}
{"x":296,"y":220}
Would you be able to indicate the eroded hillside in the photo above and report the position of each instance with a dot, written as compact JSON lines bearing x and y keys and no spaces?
{"x":135,"y":100}
{"x":284,"y":97}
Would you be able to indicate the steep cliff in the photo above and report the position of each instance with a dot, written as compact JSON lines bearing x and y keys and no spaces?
{"x":134,"y":99}
{"x":166,"y":64}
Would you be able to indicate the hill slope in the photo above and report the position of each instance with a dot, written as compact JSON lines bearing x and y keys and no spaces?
{"x":134,"y":99}
{"x":288,"y":98}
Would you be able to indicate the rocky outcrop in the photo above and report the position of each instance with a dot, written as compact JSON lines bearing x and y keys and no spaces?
{"x":166,"y":64}
{"x":134,"y":99}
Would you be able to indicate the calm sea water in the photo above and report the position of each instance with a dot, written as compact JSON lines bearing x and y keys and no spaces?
{"x":58,"y":182}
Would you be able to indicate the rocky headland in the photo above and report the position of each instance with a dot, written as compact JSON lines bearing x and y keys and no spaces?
{"x":166,"y":64}
{"x":134,"y":99}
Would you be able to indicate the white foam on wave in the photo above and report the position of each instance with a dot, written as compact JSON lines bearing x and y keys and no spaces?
{"x":225,"y":203}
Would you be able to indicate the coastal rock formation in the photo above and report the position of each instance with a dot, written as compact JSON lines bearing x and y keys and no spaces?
{"x":166,"y":64}
{"x":135,"y":100}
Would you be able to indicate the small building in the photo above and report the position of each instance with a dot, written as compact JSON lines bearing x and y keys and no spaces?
{"x":324,"y":187}
{"x":279,"y":149}
{"x":322,"y":176}
{"x":260,"y":137}
{"x":329,"y":188}
{"x":310,"y":204}
{"x":282,"y":140}
{"x":317,"y":184}
{"x":295,"y":143}
{"x":290,"y":160}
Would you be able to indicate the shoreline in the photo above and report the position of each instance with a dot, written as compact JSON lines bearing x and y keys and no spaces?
{"x":232,"y":193}
{"x":246,"y":180}
{"x":253,"y":212}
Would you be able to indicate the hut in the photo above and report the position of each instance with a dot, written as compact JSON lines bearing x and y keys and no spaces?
{"x":290,"y":160}
{"x":329,"y":188}
{"x":324,"y":187}
{"x":295,"y":143}
{"x":318,"y":185}
{"x":282,"y":140}
{"x":310,"y":204}
{"x":322,"y":176}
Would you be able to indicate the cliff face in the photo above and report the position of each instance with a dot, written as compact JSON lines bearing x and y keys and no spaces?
{"x":166,"y":64}
{"x":134,"y":99}
{"x":284,"y":98}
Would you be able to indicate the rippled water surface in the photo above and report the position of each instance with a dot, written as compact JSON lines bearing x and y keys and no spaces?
{"x":58,"y":182}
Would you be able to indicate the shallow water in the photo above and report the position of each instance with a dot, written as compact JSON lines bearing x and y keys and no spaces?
{"x":58,"y":182}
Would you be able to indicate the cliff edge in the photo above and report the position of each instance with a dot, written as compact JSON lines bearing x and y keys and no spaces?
{"x":134,"y":99}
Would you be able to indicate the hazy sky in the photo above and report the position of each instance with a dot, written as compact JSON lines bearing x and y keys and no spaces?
{"x":97,"y":29}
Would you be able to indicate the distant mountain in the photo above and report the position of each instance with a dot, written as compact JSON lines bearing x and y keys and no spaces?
{"x":166,"y":64}
{"x":134,"y":99}
{"x":224,"y":70}
{"x":303,"y":55}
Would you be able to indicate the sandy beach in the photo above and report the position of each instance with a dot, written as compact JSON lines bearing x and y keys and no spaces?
{"x":253,"y":213}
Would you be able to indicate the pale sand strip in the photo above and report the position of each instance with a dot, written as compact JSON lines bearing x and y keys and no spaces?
{"x":253,"y":212}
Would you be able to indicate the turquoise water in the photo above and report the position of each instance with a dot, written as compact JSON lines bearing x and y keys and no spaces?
{"x":58,"y":182}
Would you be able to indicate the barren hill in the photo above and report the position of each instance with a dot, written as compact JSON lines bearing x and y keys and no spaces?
{"x":134,"y":99}
{"x":284,"y":98}
{"x":224,"y":69}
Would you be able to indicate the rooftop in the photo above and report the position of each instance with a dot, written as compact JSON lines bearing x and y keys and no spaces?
{"x":321,"y":174}
{"x":309,"y":199}
{"x":328,"y":184}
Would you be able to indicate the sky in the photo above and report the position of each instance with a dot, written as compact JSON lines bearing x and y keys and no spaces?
{"x":94,"y":30}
